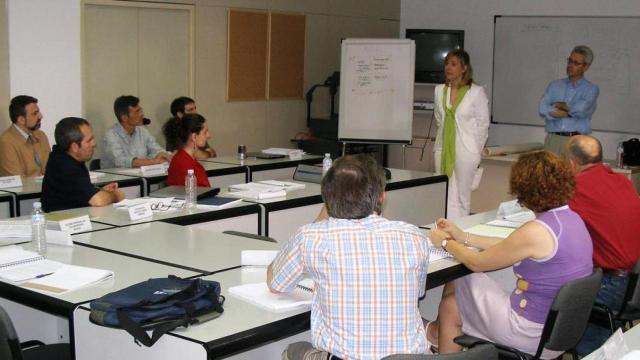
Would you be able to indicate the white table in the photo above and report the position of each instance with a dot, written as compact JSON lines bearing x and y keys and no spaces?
{"x":240,"y":217}
{"x":175,"y":245}
{"x":412,"y":196}
{"x":46,"y":316}
{"x":241,"y":327}
{"x":631,"y":337}
{"x":267,"y":169}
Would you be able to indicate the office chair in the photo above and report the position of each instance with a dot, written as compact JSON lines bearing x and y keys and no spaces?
{"x":630,"y":309}
{"x":11,"y":348}
{"x":480,"y":352}
{"x":94,"y":164}
{"x":565,"y":323}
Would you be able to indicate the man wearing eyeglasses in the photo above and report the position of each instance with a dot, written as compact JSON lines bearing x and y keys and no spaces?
{"x":568,"y":104}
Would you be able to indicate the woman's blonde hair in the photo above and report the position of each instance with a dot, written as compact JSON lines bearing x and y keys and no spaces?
{"x":463,"y":57}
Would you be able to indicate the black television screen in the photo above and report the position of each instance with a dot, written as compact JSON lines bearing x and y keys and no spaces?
{"x":431,"y":48}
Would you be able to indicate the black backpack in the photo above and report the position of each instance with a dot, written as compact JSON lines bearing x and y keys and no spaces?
{"x":631,"y":152}
{"x":160,"y":305}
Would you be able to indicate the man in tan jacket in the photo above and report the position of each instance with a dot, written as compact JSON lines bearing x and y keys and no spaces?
{"x":24,"y":148}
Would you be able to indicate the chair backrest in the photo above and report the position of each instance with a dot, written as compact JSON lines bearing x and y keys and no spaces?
{"x":570,"y":313}
{"x":94,"y":164}
{"x":631,"y":304}
{"x":480,"y":352}
{"x":9,"y":342}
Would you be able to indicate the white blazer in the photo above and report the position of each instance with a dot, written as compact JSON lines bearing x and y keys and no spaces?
{"x":472,"y":118}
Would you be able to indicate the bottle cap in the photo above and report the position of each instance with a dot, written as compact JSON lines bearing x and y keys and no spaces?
{"x":327,"y":154}
{"x":190,"y":171}
{"x":37,"y":205}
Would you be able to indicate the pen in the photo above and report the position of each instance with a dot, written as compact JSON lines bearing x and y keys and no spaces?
{"x":43,"y":275}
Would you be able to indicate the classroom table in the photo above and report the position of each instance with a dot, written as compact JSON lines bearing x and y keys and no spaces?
{"x":219,"y":173}
{"x":179,"y":246}
{"x":267,"y":169}
{"x":52,"y":312}
{"x":243,"y":217}
{"x":31,"y":190}
{"x":7,"y":205}
{"x":412,"y":196}
{"x":241,"y":327}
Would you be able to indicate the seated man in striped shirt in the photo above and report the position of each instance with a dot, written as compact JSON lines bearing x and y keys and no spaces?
{"x":368,"y":271}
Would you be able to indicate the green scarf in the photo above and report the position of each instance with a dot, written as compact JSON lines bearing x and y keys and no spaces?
{"x":449,"y":130}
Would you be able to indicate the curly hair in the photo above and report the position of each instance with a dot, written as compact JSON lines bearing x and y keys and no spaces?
{"x":542,"y":181}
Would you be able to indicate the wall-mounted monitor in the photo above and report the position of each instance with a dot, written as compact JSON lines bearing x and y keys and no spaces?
{"x":431,"y":48}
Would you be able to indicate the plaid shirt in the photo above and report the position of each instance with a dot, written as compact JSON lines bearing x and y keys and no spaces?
{"x":368,"y":274}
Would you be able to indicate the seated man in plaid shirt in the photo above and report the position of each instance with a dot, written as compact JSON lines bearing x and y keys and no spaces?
{"x":368,"y":271}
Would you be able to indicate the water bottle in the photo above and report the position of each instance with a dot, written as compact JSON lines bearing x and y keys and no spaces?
{"x":39,"y":229}
{"x":190,"y":187}
{"x":326,"y":163}
{"x":619,"y":152}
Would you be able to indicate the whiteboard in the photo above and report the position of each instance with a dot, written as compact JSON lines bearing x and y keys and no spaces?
{"x":376,"y":90}
{"x":529,"y":52}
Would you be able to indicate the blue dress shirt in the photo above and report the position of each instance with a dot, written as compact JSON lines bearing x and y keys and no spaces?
{"x":580,"y":97}
{"x":119,"y":148}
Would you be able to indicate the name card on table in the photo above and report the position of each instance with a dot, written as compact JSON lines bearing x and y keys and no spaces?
{"x":76,"y":224}
{"x":141,"y":211}
{"x":10,"y":181}
{"x":154,"y":170}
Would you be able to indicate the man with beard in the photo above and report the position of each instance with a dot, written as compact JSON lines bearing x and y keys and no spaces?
{"x":24,"y":148}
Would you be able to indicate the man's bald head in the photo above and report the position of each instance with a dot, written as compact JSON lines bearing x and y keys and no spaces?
{"x":584,"y":150}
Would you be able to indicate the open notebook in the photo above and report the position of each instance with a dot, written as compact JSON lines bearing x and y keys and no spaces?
{"x":259,"y":295}
{"x":19,"y":265}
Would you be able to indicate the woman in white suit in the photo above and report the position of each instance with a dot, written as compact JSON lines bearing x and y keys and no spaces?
{"x":462,"y":113}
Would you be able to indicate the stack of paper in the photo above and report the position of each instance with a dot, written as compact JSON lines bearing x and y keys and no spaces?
{"x":259,"y":294}
{"x":15,"y":229}
{"x":285,"y":185}
{"x":256,"y":191}
{"x":218,"y":202}
{"x":94,"y":175}
{"x":68,"y":278}
{"x":280,"y":151}
{"x":436,"y":254}
{"x":489,"y":230}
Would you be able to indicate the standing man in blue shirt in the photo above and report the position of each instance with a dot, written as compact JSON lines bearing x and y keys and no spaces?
{"x":568,"y":104}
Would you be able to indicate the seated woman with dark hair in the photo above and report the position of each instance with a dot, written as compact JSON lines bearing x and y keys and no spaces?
{"x":193,"y":133}
{"x":545,"y":254}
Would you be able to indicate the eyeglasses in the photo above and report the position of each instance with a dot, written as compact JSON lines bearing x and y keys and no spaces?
{"x":570,"y":61}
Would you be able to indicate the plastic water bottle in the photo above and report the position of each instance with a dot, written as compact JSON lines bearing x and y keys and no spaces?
{"x":190,"y":187}
{"x":326,"y":163}
{"x":619,"y":152}
{"x":39,"y":229}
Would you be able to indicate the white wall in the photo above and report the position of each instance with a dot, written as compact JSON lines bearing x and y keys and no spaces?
{"x":44,"y":56}
{"x":476,"y":18}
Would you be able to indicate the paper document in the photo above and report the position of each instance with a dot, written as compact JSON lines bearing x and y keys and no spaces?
{"x":259,"y":295}
{"x":285,"y":185}
{"x":488,"y":230}
{"x":257,"y":191}
{"x":30,"y":270}
{"x":436,"y":254}
{"x":68,"y":278}
{"x":15,"y":229}
{"x":257,"y":257}
{"x":280,"y":151}
{"x":15,"y":255}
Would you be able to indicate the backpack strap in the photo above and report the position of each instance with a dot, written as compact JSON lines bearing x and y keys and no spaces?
{"x":140,"y":335}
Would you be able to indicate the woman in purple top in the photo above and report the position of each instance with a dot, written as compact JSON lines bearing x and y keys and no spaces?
{"x":545,"y":253}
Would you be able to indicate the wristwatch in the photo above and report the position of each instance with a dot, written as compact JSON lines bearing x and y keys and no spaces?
{"x":444,"y":244}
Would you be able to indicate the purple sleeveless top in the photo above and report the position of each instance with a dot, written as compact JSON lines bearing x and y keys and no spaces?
{"x":538,"y":281}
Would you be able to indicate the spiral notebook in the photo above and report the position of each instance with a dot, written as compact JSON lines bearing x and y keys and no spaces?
{"x":259,"y":295}
{"x":17,"y":264}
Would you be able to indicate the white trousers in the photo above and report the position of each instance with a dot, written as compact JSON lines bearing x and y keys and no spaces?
{"x":459,"y":197}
